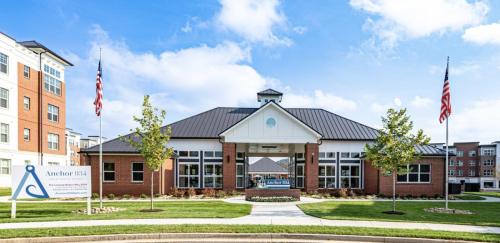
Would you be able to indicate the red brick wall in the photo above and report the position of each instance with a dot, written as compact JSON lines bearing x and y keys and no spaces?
{"x":229,"y":166}
{"x":371,"y":178}
{"x":436,"y":186}
{"x":311,"y":167}
{"x":123,"y":176}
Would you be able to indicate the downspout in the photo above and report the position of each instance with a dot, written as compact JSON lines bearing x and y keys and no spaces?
{"x":40,"y":110}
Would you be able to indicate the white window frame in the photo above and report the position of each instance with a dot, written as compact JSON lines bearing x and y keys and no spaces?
{"x":325,"y":177}
{"x":28,"y":104}
{"x":52,"y":82}
{"x":472,"y":153}
{"x":4,"y":61}
{"x":472,"y":163}
{"x":104,"y":171}
{"x":53,"y":141}
{"x":53,"y":113}
{"x":4,"y":95}
{"x":451,"y":172}
{"x":242,"y":176}
{"x":488,"y":162}
{"x":188,"y":176}
{"x":472,"y":172}
{"x":26,"y":70}
{"x":460,"y":163}
{"x":300,"y":177}
{"x":451,"y":163}
{"x":5,"y":166}
{"x":419,"y":173}
{"x":460,"y":153}
{"x":213,"y":176}
{"x":349,"y":176}
{"x":488,"y":151}
{"x":460,"y":173}
{"x":5,"y":131}
{"x":24,"y":134}
{"x":132,"y":171}
{"x":490,"y":172}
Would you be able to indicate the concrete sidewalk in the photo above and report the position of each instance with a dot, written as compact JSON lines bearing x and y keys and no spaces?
{"x":262,"y":214}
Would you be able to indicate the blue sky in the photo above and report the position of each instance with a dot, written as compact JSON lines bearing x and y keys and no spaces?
{"x":355,"y":58}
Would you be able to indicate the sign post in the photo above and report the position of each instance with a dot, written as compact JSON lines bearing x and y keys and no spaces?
{"x":50,"y":182}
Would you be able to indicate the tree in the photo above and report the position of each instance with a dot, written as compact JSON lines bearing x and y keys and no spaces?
{"x":150,"y":139}
{"x":395,"y":146}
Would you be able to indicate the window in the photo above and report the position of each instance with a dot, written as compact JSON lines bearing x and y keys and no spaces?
{"x":327,"y":176}
{"x":488,"y":184}
{"x":472,"y":173}
{"x":240,"y":155}
{"x":4,"y":166}
{"x":4,"y":132}
{"x":27,"y":103}
{"x":488,"y":162}
{"x":51,"y":163}
{"x":326,"y":155}
{"x":26,"y":72}
{"x":218,"y":154}
{"x":344,"y":155}
{"x":52,"y":82}
{"x":417,"y":173}
{"x":53,"y":141}
{"x":4,"y":63}
{"x":240,"y":175}
{"x":451,"y":163}
{"x":108,"y":172}
{"x":451,"y":172}
{"x":193,"y":153}
{"x":460,"y":163}
{"x":208,"y":154}
{"x":488,"y":172}
{"x":472,"y":163}
{"x":4,"y":98}
{"x":460,"y":173}
{"x":53,"y":113}
{"x":472,"y":153}
{"x":349,"y":176}
{"x":460,"y":153}
{"x":299,"y":176}
{"x":189,"y":154}
{"x":488,"y":151}
{"x":26,"y":134}
{"x":189,"y":175}
{"x":137,"y":171}
{"x":300,"y":156}
{"x":212,"y":175}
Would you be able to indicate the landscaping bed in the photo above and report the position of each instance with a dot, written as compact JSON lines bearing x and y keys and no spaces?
{"x":483,"y":213}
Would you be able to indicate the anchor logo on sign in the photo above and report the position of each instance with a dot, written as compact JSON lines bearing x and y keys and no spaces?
{"x":30,"y":169}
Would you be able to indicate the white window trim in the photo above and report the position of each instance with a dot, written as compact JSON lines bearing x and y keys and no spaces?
{"x":7,"y":133}
{"x":132,"y":171}
{"x":213,"y":176}
{"x":9,"y":166}
{"x":419,"y":173}
{"x":240,"y":176}
{"x":7,"y":64}
{"x":302,"y":177}
{"x":54,"y":135}
{"x":29,"y":134}
{"x":108,"y":171}
{"x":189,"y":174}
{"x":50,"y":113}
{"x":325,"y":177}
{"x":350,"y":176}
{"x":8,"y":99}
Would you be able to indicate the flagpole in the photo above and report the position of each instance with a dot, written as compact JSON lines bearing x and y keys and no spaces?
{"x":446,"y":166}
{"x":100,"y":149}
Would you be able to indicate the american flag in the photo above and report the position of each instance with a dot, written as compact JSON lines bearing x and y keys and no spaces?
{"x":445,"y":99}
{"x":98,"y":91}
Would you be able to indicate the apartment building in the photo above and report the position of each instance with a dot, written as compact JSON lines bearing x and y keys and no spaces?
{"x":72,"y":147}
{"x":475,"y":165}
{"x":32,"y":105}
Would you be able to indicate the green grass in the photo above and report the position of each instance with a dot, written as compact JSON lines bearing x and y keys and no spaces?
{"x":5,"y":191}
{"x":485,"y":214}
{"x":469,"y":197}
{"x":178,"y":209}
{"x":135,"y":229}
{"x":488,"y":194}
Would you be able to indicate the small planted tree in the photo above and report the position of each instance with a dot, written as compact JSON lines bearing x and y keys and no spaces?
{"x":395,"y":147}
{"x":150,"y":139}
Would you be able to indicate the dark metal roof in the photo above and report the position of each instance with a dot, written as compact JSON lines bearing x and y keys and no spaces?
{"x":430,"y":150}
{"x":266,"y":165}
{"x":269,"y":92}
{"x":209,"y":124}
{"x":35,"y":45}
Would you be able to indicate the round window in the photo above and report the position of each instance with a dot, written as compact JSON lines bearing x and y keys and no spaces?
{"x":271,"y":122}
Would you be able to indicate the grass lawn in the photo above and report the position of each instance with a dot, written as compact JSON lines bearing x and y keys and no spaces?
{"x":488,"y":194}
{"x":469,"y":197}
{"x":486,"y":214}
{"x":5,"y":191}
{"x":178,"y":209}
{"x":135,"y":229}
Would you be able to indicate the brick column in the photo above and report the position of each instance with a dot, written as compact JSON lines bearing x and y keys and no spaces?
{"x":229,"y":166}
{"x":311,"y":167}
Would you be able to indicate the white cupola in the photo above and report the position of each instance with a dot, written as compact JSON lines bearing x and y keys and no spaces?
{"x":268,"y":95}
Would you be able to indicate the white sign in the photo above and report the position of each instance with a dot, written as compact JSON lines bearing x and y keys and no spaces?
{"x":50,"y":181}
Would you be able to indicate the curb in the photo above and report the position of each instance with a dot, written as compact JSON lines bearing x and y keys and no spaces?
{"x":172,"y":237}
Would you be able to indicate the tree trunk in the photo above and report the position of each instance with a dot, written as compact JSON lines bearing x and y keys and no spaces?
{"x":152,"y":177}
{"x":394,"y":191}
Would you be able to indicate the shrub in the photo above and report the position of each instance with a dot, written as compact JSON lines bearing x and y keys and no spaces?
{"x":220,"y":194}
{"x":209,"y":192}
{"x":95,"y":195}
{"x":143,"y":195}
{"x":191,"y":192}
{"x":437,"y":196}
{"x":342,"y":192}
{"x":424,"y":196}
{"x":111,"y":196}
{"x":381,"y":195}
{"x":157,"y":195}
{"x":126,"y":196}
{"x":178,"y":193}
{"x":272,"y":199}
{"x":409,"y":196}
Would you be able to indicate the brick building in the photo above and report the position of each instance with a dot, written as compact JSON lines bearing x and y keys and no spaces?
{"x":32,"y":106}
{"x":213,"y":149}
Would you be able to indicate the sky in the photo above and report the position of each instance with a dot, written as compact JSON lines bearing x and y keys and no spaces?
{"x":355,"y":58}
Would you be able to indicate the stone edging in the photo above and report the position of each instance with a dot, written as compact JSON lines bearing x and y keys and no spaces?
{"x":250,"y":236}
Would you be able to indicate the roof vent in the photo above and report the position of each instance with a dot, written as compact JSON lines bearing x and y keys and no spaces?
{"x":265,"y":96}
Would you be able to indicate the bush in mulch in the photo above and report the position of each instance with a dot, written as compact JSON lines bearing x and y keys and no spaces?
{"x":272,"y":199}
{"x":104,"y":210}
{"x":448,"y":211}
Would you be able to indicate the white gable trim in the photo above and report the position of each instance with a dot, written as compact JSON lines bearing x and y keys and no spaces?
{"x":279,"y":108}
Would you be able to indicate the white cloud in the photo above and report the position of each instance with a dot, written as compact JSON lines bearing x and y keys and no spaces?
{"x":182,"y":82}
{"x":253,"y":20}
{"x":319,"y":99}
{"x":400,"y":20}
{"x":187,"y":27}
{"x":457,"y":70}
{"x":483,"y":34}
{"x":398,"y":102}
{"x":299,"y":29}
{"x":377,"y":107}
{"x":421,"y":102}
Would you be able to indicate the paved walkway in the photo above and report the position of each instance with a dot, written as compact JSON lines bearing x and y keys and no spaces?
{"x":262,"y":214}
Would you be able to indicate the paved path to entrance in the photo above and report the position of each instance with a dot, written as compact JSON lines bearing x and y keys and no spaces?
{"x":262,"y":214}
